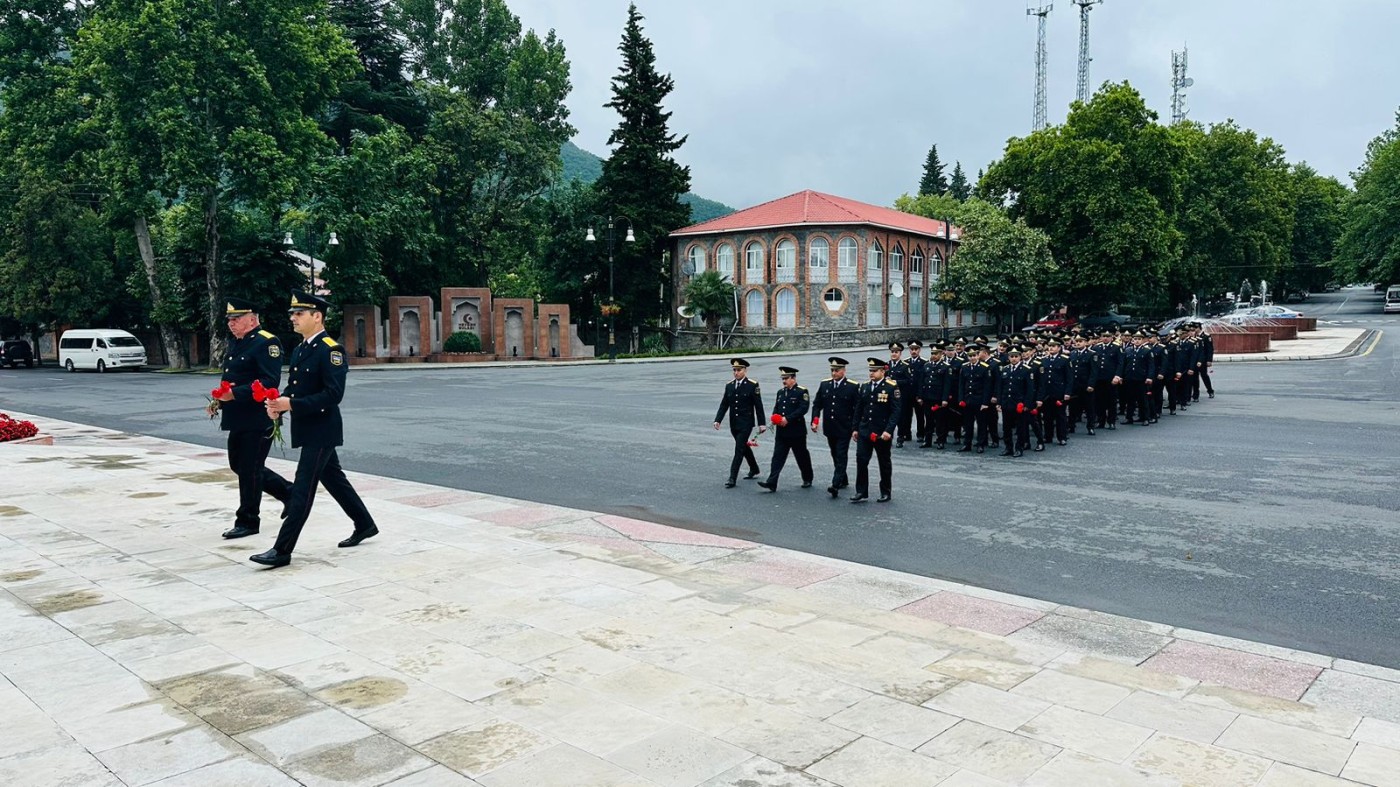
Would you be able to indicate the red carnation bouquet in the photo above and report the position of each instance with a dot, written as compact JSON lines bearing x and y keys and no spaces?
{"x":10,"y":429}
{"x":262,"y":394}
{"x":213,"y":402}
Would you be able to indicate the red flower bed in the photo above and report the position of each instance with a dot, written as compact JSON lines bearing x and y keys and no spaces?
{"x":10,"y":429}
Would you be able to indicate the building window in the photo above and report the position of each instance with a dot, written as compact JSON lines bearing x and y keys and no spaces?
{"x":935,"y":268}
{"x":846,"y":254}
{"x":697,"y":260}
{"x":916,"y":262}
{"x":753,"y":309}
{"x":874,"y":305}
{"x":785,"y":309}
{"x":786,"y":254}
{"x":897,"y":259}
{"x":874,"y":262}
{"x":753,"y":263}
{"x":724,"y":261}
{"x":834,"y":299}
{"x":916,"y":304}
{"x":818,"y":259}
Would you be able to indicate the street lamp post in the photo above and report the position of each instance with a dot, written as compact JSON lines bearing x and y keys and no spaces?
{"x":310,"y":253}
{"x":612,"y":308}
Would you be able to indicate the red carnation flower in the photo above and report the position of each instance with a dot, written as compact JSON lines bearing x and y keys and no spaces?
{"x":775,"y":418}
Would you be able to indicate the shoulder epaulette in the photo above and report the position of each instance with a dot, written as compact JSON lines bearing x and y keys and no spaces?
{"x":329,"y":341}
{"x":801,"y":387}
{"x":827,"y":380}
{"x":265,"y":334}
{"x":983,"y":364}
{"x":888,"y":381}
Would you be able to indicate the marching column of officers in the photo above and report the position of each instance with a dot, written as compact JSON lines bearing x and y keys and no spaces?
{"x":1041,"y":385}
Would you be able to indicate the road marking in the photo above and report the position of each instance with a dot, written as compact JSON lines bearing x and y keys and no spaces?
{"x":1376,"y":341}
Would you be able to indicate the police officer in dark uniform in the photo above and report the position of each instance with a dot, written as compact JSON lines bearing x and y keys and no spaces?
{"x":934,"y":392}
{"x":918,"y":367}
{"x":790,"y":430}
{"x":315,"y":387}
{"x":1016,"y":401}
{"x":975,"y":399}
{"x":834,"y":411}
{"x":877,"y":418}
{"x":254,"y":355}
{"x":1084,"y":371}
{"x":744,"y":406}
{"x":902,"y":375}
{"x":1138,"y":376}
{"x":1110,"y":352}
{"x":1056,"y":383}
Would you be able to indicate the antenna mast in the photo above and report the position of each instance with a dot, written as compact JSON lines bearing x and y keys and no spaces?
{"x":1179,"y":84}
{"x":1081,"y":92}
{"x":1041,"y":114}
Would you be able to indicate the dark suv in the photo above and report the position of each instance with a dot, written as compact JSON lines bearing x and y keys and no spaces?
{"x":14,"y":352}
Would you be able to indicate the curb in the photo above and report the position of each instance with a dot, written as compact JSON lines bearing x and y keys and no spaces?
{"x":388,"y":367}
{"x":1352,"y":349}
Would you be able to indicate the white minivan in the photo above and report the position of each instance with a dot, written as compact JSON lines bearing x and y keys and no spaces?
{"x":100,"y":349}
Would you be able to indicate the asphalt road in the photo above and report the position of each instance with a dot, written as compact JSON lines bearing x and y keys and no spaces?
{"x":1268,"y":513}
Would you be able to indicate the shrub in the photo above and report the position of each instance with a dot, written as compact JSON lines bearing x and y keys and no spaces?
{"x":462,"y":342}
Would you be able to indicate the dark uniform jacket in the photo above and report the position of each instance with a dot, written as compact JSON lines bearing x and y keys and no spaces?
{"x":316,"y":384}
{"x":1160,"y":363}
{"x":975,"y":387}
{"x":1110,"y":360}
{"x":902,"y":373}
{"x":257,"y":356}
{"x":918,"y":367}
{"x":938,"y":383}
{"x":1017,"y":387}
{"x":792,"y":403}
{"x":1055,"y":378}
{"x":1207,"y":349}
{"x":1084,"y":368}
{"x":877,"y":411}
{"x":835,"y":405}
{"x":1137,"y":363}
{"x":743,"y":404}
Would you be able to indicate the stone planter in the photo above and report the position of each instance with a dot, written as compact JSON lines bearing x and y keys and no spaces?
{"x":1247,"y":341}
{"x":38,"y":439}
{"x":1278,"y":330}
{"x":1306,"y":324}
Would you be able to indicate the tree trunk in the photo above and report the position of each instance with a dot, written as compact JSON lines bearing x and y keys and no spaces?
{"x":169,"y":334}
{"x":214,"y":317}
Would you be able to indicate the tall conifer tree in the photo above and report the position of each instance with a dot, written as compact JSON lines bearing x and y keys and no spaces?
{"x":641,"y":180}
{"x":958,"y":186}
{"x":934,"y":181}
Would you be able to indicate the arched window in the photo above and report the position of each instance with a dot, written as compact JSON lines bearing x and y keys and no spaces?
{"x":916,"y":262}
{"x":834,"y":299}
{"x":935,"y":267}
{"x":786,"y":258}
{"x":753,"y":263}
{"x":897,"y":259}
{"x":818,"y":259}
{"x":846,"y":254}
{"x":875,"y":262}
{"x":785,"y":309}
{"x":753,"y":309}
{"x":697,"y":259}
{"x":724,"y":261}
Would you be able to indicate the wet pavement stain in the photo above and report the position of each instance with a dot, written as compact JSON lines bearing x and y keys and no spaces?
{"x":204,"y":477}
{"x":37,"y":459}
{"x":20,"y":576}
{"x":12,"y":511}
{"x":145,"y":495}
{"x":362,"y":693}
{"x":67,"y":602}
{"x":235,"y":704}
{"x":356,"y":763}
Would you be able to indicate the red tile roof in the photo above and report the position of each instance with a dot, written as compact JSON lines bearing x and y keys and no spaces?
{"x":814,"y":207}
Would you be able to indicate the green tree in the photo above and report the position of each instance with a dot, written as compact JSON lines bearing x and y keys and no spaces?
{"x":958,"y":186}
{"x":941,"y":206}
{"x":641,"y":179}
{"x":711,"y":296}
{"x":380,"y":96}
{"x":1318,"y":213}
{"x":1369,"y":249}
{"x":1105,"y":187}
{"x":1236,"y":211}
{"x":933,"y":181}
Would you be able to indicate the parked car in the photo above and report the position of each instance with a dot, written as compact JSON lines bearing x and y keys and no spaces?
{"x":1274,"y":312}
{"x":1056,"y":320}
{"x":1108,"y":319}
{"x":1392,"y":300}
{"x":100,"y":349}
{"x":14,"y":352}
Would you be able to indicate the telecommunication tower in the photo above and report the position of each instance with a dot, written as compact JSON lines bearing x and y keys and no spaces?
{"x":1041,"y":10}
{"x":1081,"y":92}
{"x":1179,"y":84}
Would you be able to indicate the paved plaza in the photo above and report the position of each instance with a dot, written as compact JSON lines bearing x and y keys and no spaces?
{"x":486,"y":640}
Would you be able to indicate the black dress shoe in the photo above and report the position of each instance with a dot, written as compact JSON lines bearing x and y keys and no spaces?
{"x":940,"y":446}
{"x":858,"y":498}
{"x":239,"y":531}
{"x":1061,"y":442}
{"x":1019,"y":452}
{"x":358,"y":536}
{"x":1111,"y":427}
{"x":1008,"y":453}
{"x":752,"y":475}
{"x":831,"y":490}
{"x":272,"y":558}
{"x":980,"y":449}
{"x":806,"y":484}
{"x":768,"y":486}
{"x":729,"y":484}
{"x":965,"y":450}
{"x":1040,"y":446}
{"x":1091,"y":432}
{"x":899,"y":443}
{"x":1211,"y":395}
{"x":883,"y":499}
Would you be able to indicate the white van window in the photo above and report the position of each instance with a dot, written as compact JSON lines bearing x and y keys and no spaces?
{"x":67,"y":343}
{"x":101,"y":344}
{"x":125,"y":341}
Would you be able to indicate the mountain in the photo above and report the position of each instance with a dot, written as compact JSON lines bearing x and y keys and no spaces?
{"x":581,"y":165}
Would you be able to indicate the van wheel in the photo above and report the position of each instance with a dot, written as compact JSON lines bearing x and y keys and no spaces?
{"x":68,"y":364}
{"x":29,"y":364}
{"x":101,"y":366}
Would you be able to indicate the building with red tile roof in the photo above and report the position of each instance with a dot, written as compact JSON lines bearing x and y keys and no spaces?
{"x":812,"y":264}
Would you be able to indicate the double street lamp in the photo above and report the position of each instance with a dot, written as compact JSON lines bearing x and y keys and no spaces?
{"x":310,"y":252}
{"x":610,"y":309}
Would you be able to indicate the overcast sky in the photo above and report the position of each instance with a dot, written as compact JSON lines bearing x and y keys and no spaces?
{"x":845,"y":96}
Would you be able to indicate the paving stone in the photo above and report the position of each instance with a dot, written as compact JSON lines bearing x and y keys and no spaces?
{"x":1304,"y":748}
{"x":1364,"y":695}
{"x":677,"y":756}
{"x":1283,"y":775}
{"x":436,"y":776}
{"x":1072,"y":769}
{"x":787,"y":737}
{"x":482,"y":747}
{"x":304,"y":735}
{"x":1369,"y":670}
{"x":866,"y":590}
{"x":871,"y":763}
{"x":66,"y":764}
{"x":833,"y":633}
{"x":1236,"y":669}
{"x":129,"y":725}
{"x":960,"y":609}
{"x":238,"y":772}
{"x":1329,"y":721}
{"x":373,"y":760}
{"x":761,"y":772}
{"x":1171,"y":716}
{"x":1086,"y":733}
{"x":1126,"y":675}
{"x":160,"y":758}
{"x":1071,"y":691}
{"x":966,"y":778}
{"x":1198,"y":763}
{"x":562,"y":766}
{"x":980,"y":668}
{"x":1379,"y":733}
{"x":898,"y":723}
{"x":987,"y":705}
{"x":990,"y":752}
{"x":904,"y":650}
{"x":1375,"y":765}
{"x":1110,"y":642}
{"x":422,"y":714}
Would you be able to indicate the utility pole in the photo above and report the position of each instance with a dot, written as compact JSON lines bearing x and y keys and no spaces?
{"x":1179,"y":84}
{"x":1042,"y":11}
{"x":1082,"y":91}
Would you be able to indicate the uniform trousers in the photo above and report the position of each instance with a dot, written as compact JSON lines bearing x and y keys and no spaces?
{"x":881,"y":448}
{"x":1084,"y":406}
{"x":923,"y":422}
{"x":1015,"y":429}
{"x":742,"y":453}
{"x":840,"y":445}
{"x":1135,"y":393}
{"x":975,"y":419}
{"x":1056,"y":419}
{"x":1155,"y":401}
{"x":1108,"y":401}
{"x":317,"y":466}
{"x":797,"y":445}
{"x":247,"y":456}
{"x":906,"y":414}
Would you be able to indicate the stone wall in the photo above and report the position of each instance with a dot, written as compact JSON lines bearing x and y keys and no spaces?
{"x":821,"y":340}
